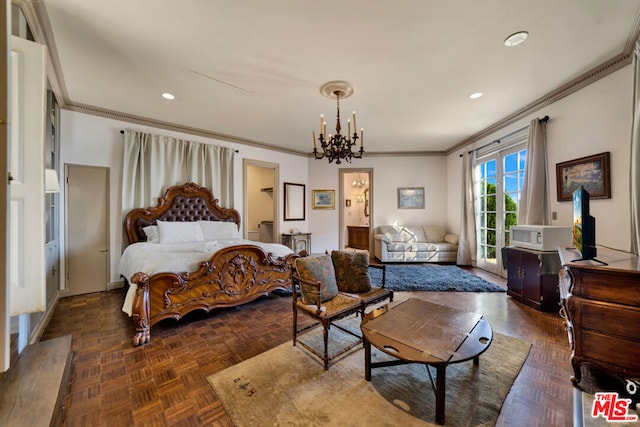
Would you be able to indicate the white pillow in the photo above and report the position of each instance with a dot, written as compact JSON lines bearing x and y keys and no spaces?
{"x":179,"y":232}
{"x":151,"y":232}
{"x":214,"y":230}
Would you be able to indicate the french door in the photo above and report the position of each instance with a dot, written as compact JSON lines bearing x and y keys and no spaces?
{"x":498,"y":183}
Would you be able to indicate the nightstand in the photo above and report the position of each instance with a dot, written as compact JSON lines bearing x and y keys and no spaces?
{"x":297,"y":242}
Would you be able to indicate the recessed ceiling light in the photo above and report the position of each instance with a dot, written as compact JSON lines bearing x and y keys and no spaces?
{"x":475,"y":95}
{"x":168,"y":95}
{"x":516,"y":38}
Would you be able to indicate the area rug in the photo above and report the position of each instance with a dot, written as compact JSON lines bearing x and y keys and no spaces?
{"x":286,"y":386}
{"x":432,"y":278}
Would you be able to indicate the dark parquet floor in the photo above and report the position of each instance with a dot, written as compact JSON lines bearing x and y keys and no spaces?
{"x":164,"y":383}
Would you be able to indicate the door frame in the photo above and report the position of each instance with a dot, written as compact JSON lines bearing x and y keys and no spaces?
{"x":64,"y":273}
{"x":500,"y":231}
{"x":276,"y":195}
{"x":341,"y":203}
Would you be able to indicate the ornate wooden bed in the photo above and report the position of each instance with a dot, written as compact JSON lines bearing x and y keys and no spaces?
{"x":232,"y":276}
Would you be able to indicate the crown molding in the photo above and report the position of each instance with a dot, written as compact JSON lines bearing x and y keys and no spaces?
{"x":145,"y":121}
{"x":585,"y":79}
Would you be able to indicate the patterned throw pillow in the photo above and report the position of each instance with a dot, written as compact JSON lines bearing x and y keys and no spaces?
{"x":317,"y":269}
{"x":352,"y":271}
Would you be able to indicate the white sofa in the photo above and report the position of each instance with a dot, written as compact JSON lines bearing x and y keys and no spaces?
{"x":414,"y":243}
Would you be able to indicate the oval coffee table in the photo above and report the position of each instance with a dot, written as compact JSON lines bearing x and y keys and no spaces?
{"x":417,"y":331}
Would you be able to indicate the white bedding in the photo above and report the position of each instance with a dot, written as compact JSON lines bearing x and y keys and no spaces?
{"x":152,"y":258}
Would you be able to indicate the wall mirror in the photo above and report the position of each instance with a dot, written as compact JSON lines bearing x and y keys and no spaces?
{"x":294,"y":202}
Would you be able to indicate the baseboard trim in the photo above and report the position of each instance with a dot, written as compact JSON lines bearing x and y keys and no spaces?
{"x":115,"y":285}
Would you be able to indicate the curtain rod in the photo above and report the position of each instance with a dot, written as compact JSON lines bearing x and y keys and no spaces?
{"x":235,"y":151}
{"x":497,"y":141}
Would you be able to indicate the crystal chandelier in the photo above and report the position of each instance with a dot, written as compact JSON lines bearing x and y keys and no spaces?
{"x":338,"y":147}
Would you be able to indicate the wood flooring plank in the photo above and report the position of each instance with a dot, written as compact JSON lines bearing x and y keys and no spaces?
{"x":165,"y":382}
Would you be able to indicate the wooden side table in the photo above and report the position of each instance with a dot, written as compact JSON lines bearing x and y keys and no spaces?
{"x":297,"y":242}
{"x":417,"y":331}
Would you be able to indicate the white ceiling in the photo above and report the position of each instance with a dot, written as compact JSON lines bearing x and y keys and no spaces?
{"x":252,"y":69}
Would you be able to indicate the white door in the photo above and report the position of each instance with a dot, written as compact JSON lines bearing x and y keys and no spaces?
{"x":500,"y":182}
{"x":87,"y":252}
{"x":26,"y":167}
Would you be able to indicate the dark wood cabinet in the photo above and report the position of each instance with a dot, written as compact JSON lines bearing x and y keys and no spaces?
{"x":358,"y":237}
{"x":601,"y":308}
{"x":532,"y":277}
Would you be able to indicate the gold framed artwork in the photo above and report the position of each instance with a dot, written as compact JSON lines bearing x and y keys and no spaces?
{"x":410,"y":197}
{"x":591,"y":172}
{"x":324,"y":199}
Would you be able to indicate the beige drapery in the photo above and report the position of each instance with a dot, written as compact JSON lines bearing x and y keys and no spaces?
{"x":467,"y":244}
{"x":534,"y":206}
{"x":635,"y":155}
{"x":152,"y":163}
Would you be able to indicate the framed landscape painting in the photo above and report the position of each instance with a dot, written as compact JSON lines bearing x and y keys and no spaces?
{"x":324,"y":199}
{"x":410,"y":197}
{"x":591,"y":172}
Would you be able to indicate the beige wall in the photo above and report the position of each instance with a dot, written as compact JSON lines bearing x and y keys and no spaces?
{"x":96,"y":141}
{"x":595,"y":119}
{"x":592,"y":120}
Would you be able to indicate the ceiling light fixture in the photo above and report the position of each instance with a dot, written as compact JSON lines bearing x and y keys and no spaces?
{"x":338,"y":147}
{"x":516,"y":38}
{"x":476,"y":95}
{"x":167,"y":95}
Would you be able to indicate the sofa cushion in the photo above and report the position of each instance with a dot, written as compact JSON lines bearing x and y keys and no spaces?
{"x":451,"y":238}
{"x":445,"y":247}
{"x":352,"y":271}
{"x":398,"y":247}
{"x":423,"y":247}
{"x":413,"y":234}
{"x":433,"y":233}
{"x":317,"y":269}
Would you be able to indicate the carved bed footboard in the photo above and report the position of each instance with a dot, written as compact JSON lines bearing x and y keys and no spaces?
{"x":233,"y":276}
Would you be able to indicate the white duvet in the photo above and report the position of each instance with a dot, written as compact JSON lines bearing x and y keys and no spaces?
{"x":152,"y":258}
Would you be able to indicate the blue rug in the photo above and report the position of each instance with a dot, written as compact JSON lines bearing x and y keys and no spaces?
{"x":431,"y":278}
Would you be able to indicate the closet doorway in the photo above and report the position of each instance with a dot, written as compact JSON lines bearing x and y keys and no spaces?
{"x":87,"y":225}
{"x":261,"y":194}
{"x":356,"y":208}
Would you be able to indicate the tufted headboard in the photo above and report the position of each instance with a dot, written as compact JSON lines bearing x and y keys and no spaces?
{"x":188,"y":202}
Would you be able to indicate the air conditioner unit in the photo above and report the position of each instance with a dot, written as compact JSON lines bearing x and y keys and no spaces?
{"x":541,"y":237}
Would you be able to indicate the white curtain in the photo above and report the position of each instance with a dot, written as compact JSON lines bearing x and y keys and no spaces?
{"x":635,"y":156}
{"x":152,"y":163}
{"x":467,"y":244}
{"x":534,"y":206}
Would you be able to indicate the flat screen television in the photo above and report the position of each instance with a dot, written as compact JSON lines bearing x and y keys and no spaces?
{"x":584,"y":226}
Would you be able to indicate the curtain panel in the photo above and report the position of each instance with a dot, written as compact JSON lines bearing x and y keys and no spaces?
{"x":535,"y":206}
{"x":152,"y":163}
{"x":467,"y":244}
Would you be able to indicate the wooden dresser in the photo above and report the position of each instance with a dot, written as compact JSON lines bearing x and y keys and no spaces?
{"x":601,"y":308}
{"x":358,"y":236}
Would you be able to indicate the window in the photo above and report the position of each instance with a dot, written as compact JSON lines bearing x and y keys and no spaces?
{"x":499,"y":178}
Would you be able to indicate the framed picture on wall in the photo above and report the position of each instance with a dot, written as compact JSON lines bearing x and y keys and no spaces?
{"x":591,"y":172}
{"x":324,"y":199}
{"x":410,"y":197}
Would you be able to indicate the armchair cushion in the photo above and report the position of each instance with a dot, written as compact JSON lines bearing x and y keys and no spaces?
{"x":317,"y":269}
{"x":352,"y":271}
